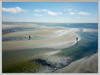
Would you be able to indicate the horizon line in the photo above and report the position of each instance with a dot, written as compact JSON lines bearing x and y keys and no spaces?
{"x":61,"y":22}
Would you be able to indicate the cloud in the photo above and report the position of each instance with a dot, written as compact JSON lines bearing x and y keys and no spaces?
{"x":44,"y":10}
{"x":49,"y":12}
{"x":12,"y":10}
{"x":84,"y":13}
{"x":70,"y":9}
{"x":38,"y":15}
{"x":38,"y":10}
{"x":52,"y":13}
{"x":71,"y":13}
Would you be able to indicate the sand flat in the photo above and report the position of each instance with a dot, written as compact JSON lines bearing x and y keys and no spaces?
{"x":62,"y":40}
{"x":7,"y":26}
{"x":38,"y":42}
{"x":37,"y":31}
{"x":84,"y":65}
{"x":90,"y":30}
{"x":27,"y":33}
{"x":35,"y":43}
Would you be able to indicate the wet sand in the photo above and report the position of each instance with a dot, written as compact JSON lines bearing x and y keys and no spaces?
{"x":90,"y":30}
{"x":84,"y":65}
{"x":50,"y":37}
{"x":54,"y":41}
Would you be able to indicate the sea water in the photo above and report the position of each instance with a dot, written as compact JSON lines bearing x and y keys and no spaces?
{"x":87,"y":46}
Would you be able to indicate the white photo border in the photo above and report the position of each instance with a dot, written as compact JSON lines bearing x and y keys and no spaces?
{"x":50,"y":1}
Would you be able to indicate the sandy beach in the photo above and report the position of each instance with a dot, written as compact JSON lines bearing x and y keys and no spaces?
{"x":84,"y":65}
{"x":54,"y":37}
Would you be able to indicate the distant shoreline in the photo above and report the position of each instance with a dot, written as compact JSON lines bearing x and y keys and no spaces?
{"x":35,"y":22}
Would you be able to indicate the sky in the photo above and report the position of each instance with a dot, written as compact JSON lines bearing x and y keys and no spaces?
{"x":53,"y":12}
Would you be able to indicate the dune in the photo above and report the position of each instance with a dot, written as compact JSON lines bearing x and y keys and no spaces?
{"x":84,"y":65}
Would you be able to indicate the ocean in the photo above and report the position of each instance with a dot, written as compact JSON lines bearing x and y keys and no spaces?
{"x":87,"y":46}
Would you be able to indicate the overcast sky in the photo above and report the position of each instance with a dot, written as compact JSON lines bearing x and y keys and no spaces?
{"x":59,"y":12}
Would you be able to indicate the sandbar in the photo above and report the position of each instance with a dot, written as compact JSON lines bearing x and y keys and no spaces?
{"x":65,"y":39}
